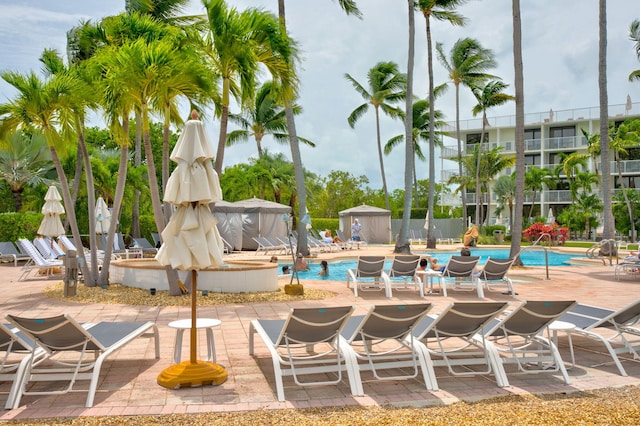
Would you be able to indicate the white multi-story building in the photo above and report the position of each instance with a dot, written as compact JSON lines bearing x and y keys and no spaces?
{"x":548,"y":137}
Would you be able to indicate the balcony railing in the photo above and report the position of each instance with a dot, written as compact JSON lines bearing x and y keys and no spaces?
{"x":627,"y":166}
{"x":618,"y":111}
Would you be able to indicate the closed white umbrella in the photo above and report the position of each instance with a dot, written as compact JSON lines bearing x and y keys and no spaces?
{"x":191,"y":241}
{"x":51,"y":225}
{"x":103,"y":216}
{"x":550,"y":217}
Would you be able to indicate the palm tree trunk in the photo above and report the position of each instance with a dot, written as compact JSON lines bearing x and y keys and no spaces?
{"x":303,"y":246}
{"x":165,"y":162}
{"x":103,"y":279}
{"x":464,"y":189}
{"x":224,"y":119}
{"x":402,"y":243}
{"x":381,"y":159}
{"x":516,"y":229}
{"x":137,"y":160}
{"x":479,"y":203}
{"x":431,"y":241}
{"x":172,"y":276}
{"x":608,"y":229}
{"x":92,"y":279}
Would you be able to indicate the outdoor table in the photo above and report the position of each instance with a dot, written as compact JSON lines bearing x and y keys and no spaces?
{"x":185,"y":324}
{"x":430,"y":274}
{"x":567,"y":327}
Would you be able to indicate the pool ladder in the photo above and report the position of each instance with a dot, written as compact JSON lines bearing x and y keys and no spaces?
{"x":536,"y":246}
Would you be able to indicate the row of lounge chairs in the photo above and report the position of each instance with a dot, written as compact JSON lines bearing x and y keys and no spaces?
{"x":316,"y":346}
{"x":459,"y":273}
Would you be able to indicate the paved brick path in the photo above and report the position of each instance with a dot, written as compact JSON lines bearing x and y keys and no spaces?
{"x":128,"y":385}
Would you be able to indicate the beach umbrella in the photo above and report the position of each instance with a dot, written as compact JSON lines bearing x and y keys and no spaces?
{"x":191,"y":241}
{"x":426,"y":221}
{"x":51,"y":225}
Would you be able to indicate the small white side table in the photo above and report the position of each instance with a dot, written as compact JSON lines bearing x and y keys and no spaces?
{"x":567,"y":327}
{"x":430,"y":274}
{"x":185,"y":324}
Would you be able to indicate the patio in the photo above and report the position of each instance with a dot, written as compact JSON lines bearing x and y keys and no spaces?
{"x":128,"y":385}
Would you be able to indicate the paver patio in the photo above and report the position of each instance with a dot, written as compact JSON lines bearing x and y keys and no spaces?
{"x":128,"y":384}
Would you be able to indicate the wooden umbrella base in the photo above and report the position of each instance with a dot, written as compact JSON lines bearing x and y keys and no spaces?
{"x":188,"y":374}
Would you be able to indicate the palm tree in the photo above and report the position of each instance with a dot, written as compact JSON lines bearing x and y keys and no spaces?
{"x":489,"y":95}
{"x":386,"y":87}
{"x":505,"y":190}
{"x":608,"y":231}
{"x":623,"y":138}
{"x":24,"y":161}
{"x":466,"y":65}
{"x":265,"y":117}
{"x":45,"y":106}
{"x":420,"y":133}
{"x":350,"y":8}
{"x":402,"y":243}
{"x":634,"y":35}
{"x":535,"y":179}
{"x":516,"y":228}
{"x":238,"y":42}
{"x":441,"y":10}
{"x":493,"y":163}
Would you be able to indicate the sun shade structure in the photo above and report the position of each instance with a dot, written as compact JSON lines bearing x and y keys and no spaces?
{"x":376,"y":223}
{"x":51,"y":225}
{"x":191,"y":240}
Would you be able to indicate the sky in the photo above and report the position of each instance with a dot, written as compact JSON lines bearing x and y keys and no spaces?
{"x":560,"y":56}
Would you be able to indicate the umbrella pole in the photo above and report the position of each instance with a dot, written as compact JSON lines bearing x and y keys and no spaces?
{"x":194,"y":317}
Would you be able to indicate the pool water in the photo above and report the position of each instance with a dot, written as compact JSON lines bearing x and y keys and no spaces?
{"x":338,"y":269}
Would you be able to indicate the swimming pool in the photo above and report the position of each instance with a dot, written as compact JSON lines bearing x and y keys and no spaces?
{"x":338,"y":269}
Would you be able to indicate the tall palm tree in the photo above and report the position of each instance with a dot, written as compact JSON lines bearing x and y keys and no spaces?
{"x":387,"y":85}
{"x":516,"y":229}
{"x":466,"y":65}
{"x":350,"y":8}
{"x":45,"y":106}
{"x":420,"y":133}
{"x":25,"y":161}
{"x":488,"y":95}
{"x":265,"y":117}
{"x":238,"y":42}
{"x":608,"y":231}
{"x":440,"y":10}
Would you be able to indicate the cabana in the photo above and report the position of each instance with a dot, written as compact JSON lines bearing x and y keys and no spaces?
{"x":261,"y":218}
{"x":229,"y":218}
{"x":376,"y":223}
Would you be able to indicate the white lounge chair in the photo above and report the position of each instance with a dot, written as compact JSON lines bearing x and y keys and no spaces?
{"x":382,"y":340}
{"x":19,"y":350}
{"x":495,"y":275}
{"x":402,"y":274}
{"x":291,"y":343}
{"x":460,"y":274}
{"x":74,"y":352}
{"x":450,"y":339}
{"x":369,"y":275}
{"x":523,"y":336}
{"x":621,"y":334}
{"x":9,"y":251}
{"x":38,"y":263}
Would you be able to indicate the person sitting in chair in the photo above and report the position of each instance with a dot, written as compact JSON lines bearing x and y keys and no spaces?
{"x":327,"y":238}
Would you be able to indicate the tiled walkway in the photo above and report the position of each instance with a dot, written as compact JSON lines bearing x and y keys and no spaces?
{"x":128,"y":385}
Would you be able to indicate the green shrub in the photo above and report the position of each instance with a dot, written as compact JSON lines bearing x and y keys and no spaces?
{"x":487,"y":240}
{"x":14,"y":226}
{"x":320,"y":224}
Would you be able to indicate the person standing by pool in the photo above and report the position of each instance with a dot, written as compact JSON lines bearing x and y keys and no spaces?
{"x":356,"y":228}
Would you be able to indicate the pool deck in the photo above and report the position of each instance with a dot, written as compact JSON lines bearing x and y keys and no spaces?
{"x":128,"y":383}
